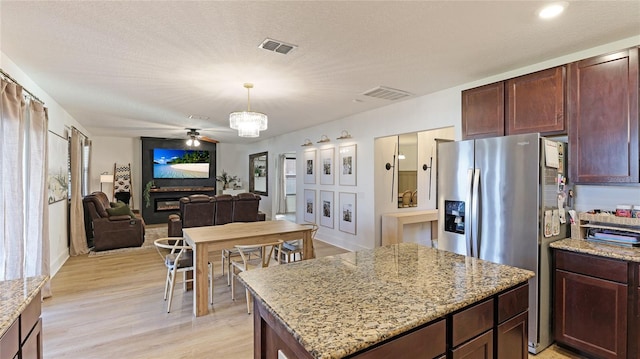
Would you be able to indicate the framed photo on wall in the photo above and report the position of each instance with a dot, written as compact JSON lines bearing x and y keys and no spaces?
{"x":347,"y":165}
{"x":347,"y":215}
{"x":309,"y":166}
{"x":326,"y":166}
{"x":310,"y":205}
{"x":326,"y":209}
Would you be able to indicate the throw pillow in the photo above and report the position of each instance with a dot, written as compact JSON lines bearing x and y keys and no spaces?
{"x":117,"y":204}
{"x":119,"y":211}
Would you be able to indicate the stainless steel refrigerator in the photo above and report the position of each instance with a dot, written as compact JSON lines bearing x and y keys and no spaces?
{"x":496,"y":198}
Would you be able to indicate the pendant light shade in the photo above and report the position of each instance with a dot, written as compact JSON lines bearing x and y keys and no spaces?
{"x":248,"y":123}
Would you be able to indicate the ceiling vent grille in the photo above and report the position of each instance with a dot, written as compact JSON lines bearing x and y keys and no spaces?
{"x":277,"y":46}
{"x":387,"y":93}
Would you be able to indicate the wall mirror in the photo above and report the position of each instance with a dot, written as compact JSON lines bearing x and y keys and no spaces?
{"x":407,"y":170}
{"x":259,"y":173}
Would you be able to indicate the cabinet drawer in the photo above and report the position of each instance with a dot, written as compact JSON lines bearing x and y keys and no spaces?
{"x":9,"y":343}
{"x":428,"y":342}
{"x":478,"y":348}
{"x":29,"y":317}
{"x":513,"y":302}
{"x":472,"y":321}
{"x":593,"y":266}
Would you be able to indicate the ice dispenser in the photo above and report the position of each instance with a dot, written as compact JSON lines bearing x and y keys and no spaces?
{"x":454,"y":216}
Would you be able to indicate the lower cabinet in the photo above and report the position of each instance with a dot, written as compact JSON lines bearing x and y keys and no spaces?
{"x":472,"y":332}
{"x":591,"y":305}
{"x":23,"y":340}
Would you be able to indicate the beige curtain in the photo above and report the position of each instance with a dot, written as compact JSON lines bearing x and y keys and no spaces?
{"x":76,"y":213}
{"x":37,"y":212}
{"x":11,"y":180}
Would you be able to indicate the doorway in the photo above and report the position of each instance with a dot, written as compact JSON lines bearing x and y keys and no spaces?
{"x":286,"y":187}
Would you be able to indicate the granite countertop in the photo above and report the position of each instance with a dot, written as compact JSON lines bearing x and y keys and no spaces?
{"x":335,"y":306}
{"x":15,"y":296}
{"x":631,"y":254}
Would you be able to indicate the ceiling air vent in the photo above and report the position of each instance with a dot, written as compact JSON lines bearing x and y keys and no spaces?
{"x":277,"y":46}
{"x":387,"y":93}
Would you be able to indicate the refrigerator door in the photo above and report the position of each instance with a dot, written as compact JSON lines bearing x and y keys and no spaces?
{"x":509,"y":209}
{"x":455,"y":171}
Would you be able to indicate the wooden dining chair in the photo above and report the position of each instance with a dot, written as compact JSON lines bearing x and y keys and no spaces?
{"x":178,"y":259}
{"x":247,"y":263}
{"x":291,"y":248}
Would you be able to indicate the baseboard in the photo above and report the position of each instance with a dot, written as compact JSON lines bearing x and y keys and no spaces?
{"x":55,"y":265}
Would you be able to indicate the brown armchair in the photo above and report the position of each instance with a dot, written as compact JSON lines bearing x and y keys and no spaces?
{"x":110,"y":232}
{"x":224,"y":209}
{"x":245,"y":207}
{"x":196,"y":210}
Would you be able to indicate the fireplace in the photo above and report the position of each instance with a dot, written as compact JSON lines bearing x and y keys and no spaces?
{"x":166,"y":204}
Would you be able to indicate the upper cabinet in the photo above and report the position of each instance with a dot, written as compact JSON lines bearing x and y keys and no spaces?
{"x":483,"y":111}
{"x":536,"y":103}
{"x":526,"y":104}
{"x":603,"y":118}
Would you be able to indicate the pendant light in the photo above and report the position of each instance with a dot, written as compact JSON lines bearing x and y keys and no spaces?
{"x":248,"y":123}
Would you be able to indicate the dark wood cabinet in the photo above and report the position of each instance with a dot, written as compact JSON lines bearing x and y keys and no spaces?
{"x":23,"y":339}
{"x":483,"y":111}
{"x":591,"y":304}
{"x":480,"y":347}
{"x":471,"y":332}
{"x":603,"y":118}
{"x":536,"y":103}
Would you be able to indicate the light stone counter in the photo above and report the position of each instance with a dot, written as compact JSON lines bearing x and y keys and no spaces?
{"x":335,"y":306}
{"x":15,"y":296}
{"x":631,"y":254}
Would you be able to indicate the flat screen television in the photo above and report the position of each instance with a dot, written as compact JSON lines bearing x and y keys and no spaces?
{"x":177,"y":163}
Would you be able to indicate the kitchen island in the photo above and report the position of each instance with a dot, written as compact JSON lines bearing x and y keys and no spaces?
{"x":402,"y":300}
{"x":20,"y":323}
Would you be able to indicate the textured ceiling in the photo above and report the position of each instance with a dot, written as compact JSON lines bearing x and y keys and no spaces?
{"x":140,"y":68}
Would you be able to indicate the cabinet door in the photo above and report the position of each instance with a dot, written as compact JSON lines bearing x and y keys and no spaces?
{"x":591,"y":314}
{"x":32,"y":347}
{"x":483,"y":111}
{"x":480,"y":347}
{"x":536,"y":103}
{"x":513,"y":337}
{"x":603,"y":118}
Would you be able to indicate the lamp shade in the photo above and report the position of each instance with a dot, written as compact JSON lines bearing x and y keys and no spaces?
{"x":106,"y":178}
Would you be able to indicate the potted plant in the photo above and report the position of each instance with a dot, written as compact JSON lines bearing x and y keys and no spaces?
{"x":146,"y":194}
{"x":226,"y":179}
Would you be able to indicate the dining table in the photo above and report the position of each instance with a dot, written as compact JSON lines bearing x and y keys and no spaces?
{"x":216,"y":238}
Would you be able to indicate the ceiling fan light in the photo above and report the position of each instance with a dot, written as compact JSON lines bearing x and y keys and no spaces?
{"x":189,"y":142}
{"x":196,"y":142}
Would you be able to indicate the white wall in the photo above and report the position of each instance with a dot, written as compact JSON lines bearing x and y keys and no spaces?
{"x":105,"y":152}
{"x":58,"y":120}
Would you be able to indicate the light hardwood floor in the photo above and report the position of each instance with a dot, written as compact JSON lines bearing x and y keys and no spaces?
{"x":111,"y":307}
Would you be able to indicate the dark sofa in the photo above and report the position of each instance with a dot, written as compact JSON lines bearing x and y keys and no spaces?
{"x":201,"y":210}
{"x":106,"y":231}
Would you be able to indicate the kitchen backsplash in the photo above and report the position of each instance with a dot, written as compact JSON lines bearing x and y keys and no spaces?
{"x":605,"y":197}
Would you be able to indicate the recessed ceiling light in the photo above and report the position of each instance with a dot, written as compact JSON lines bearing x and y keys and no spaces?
{"x":552,"y":10}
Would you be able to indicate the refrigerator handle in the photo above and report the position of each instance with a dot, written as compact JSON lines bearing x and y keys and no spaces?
{"x":475,"y":214}
{"x":468,"y":216}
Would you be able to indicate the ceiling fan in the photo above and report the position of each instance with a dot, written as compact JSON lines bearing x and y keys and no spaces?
{"x":194,"y":137}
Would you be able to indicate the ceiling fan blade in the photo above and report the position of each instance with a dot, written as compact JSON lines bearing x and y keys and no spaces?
{"x":208,"y":139}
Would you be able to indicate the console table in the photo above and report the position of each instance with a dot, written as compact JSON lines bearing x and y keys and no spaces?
{"x":393,"y":224}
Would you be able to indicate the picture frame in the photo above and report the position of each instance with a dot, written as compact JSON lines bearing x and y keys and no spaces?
{"x":309,"y":205}
{"x":57,"y":176}
{"x":326,"y":209}
{"x":327,"y":166}
{"x":309,"y":166}
{"x":347,"y":165}
{"x":347,"y":212}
